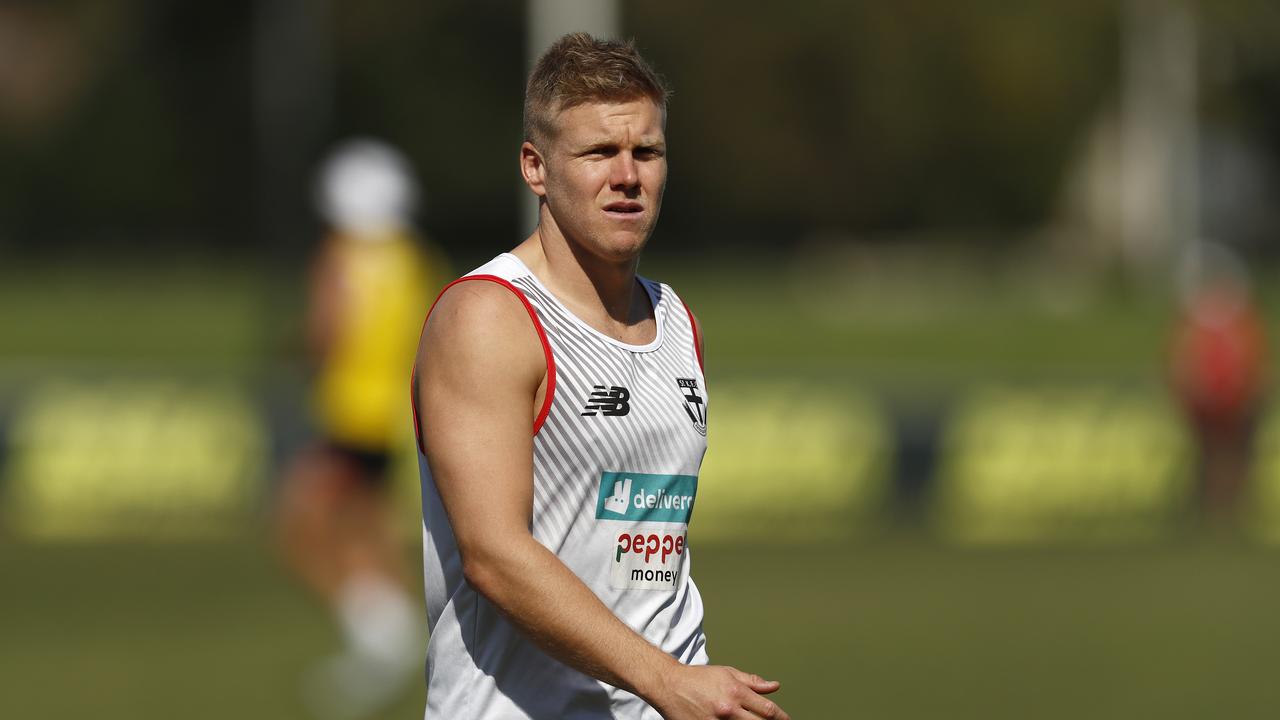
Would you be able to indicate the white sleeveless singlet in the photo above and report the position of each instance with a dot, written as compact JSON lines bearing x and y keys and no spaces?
{"x":616,"y":452}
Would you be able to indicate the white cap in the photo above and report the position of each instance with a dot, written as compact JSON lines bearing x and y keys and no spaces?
{"x":366,"y":186}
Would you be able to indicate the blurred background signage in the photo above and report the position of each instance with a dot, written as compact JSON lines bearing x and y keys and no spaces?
{"x":1097,"y":463}
{"x":133,"y":459}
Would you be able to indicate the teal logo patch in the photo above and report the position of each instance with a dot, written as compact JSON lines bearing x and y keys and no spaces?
{"x":641,"y":497}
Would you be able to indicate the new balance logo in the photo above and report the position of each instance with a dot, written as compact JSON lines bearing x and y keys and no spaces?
{"x":611,"y":401}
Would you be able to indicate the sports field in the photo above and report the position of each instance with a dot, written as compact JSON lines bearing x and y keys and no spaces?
{"x":889,"y":623}
{"x":885,"y":628}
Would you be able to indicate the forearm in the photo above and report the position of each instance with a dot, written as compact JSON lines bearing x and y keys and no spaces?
{"x":554,"y":608}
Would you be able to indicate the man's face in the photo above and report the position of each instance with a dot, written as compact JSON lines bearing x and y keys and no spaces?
{"x":605,"y":170}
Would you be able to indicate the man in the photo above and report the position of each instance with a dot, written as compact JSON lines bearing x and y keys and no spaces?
{"x":1218,"y":371}
{"x":557,"y":571}
{"x":369,"y":281}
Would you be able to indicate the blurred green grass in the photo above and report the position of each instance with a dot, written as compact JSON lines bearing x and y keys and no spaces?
{"x":896,"y":627}
{"x":918,"y":332}
{"x":181,"y":315}
{"x":909,"y":330}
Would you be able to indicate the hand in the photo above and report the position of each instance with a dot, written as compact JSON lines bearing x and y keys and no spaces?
{"x":717,"y":693}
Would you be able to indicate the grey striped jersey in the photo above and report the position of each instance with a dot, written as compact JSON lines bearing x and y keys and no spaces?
{"x":616,"y":452}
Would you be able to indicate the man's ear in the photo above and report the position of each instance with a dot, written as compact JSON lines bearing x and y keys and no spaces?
{"x":533,"y":168}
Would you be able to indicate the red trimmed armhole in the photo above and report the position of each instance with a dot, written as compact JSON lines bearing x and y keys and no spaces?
{"x":542,"y":337}
{"x":697,"y":339}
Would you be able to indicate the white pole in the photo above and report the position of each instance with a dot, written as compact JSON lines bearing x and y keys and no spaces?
{"x":1159,"y":189}
{"x":292,"y":78}
{"x":547,"y":21}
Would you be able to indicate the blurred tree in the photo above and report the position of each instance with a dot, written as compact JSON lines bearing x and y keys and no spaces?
{"x":153,"y":141}
{"x":872,"y":115}
{"x":136,"y":117}
{"x":443,"y":81}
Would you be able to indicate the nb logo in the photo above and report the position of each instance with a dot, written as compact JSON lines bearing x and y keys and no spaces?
{"x":611,"y":401}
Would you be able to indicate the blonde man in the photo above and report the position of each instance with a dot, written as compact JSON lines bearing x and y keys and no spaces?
{"x":561,"y":407}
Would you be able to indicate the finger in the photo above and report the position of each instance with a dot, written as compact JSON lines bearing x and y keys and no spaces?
{"x":764,"y":708}
{"x":757,"y":683}
{"x":766,"y":687}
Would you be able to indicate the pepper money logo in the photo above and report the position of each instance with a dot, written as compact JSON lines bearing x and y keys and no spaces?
{"x":647,"y":561}
{"x":647,"y":554}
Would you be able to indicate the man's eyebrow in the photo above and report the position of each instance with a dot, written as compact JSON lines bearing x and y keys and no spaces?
{"x":606,"y":142}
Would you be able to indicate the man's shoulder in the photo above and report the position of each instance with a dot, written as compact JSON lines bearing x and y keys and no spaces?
{"x":474,"y":304}
{"x":484,"y":294}
{"x":663,"y":293}
{"x":477,"y":334}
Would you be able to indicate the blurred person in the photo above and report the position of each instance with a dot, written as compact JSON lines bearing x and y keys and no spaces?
{"x":561,"y":409}
{"x":1218,"y":362}
{"x":370,"y":280}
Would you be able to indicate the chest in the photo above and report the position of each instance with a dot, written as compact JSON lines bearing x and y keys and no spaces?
{"x":629,"y":409}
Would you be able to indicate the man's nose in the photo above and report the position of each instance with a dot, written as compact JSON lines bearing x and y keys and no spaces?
{"x":623,"y":172}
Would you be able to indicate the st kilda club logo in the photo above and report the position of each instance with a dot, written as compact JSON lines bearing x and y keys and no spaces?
{"x":694,"y":406}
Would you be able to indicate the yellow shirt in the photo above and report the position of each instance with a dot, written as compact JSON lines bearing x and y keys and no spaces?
{"x":362,"y":391}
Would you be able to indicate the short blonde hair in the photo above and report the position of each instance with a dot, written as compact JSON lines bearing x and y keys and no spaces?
{"x":578,"y":69}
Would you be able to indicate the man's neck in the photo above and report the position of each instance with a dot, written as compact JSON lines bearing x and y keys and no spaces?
{"x":602,"y":293}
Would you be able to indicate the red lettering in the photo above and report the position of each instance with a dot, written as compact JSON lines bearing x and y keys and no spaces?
{"x":652,"y":547}
{"x":649,"y":545}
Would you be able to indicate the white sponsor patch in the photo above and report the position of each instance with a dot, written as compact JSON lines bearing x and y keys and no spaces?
{"x":647,"y":558}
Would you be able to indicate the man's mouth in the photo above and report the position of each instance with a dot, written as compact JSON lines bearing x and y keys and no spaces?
{"x":624,"y":207}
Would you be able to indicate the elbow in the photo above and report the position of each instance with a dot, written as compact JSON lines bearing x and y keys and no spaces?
{"x":484,"y":568}
{"x":478,"y":574}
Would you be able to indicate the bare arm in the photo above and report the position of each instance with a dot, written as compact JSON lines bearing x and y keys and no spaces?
{"x":325,"y":303}
{"x":481,"y":366}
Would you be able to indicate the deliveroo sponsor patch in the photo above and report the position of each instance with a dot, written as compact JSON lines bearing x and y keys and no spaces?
{"x":642,"y":497}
